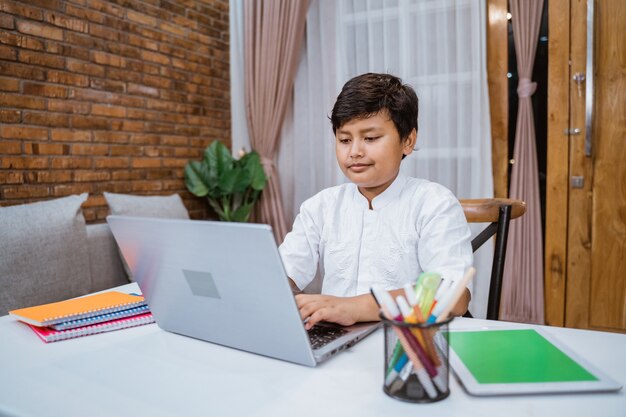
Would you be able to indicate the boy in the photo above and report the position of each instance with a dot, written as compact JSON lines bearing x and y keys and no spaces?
{"x":382,"y":228}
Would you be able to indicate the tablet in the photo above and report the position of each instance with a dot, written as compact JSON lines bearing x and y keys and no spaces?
{"x":521,"y":361}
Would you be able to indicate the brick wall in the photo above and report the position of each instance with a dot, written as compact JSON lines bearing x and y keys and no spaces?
{"x":114,"y":95}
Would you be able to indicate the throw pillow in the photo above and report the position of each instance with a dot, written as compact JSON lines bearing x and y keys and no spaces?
{"x":44,"y":251}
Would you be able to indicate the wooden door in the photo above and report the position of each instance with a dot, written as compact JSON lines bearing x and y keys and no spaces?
{"x":586,"y":194}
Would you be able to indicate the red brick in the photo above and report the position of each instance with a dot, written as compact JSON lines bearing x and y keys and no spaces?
{"x":107,"y":110}
{"x":43,"y":177}
{"x":8,"y":53}
{"x":70,"y":135}
{"x":155,"y":57}
{"x":68,"y":189}
{"x":85,"y":68}
{"x":91,"y":176}
{"x":126,"y":151}
{"x":11,"y":69}
{"x":60,"y":77}
{"x":174,"y":163}
{"x":108,"y":59}
{"x":46,"y":90}
{"x":46,"y":149}
{"x":104,"y":32}
{"x":173,"y":185}
{"x":107,"y":85}
{"x":146,"y":186}
{"x":66,"y":106}
{"x":9,"y":84}
{"x":144,"y":139}
{"x":112,"y":163}
{"x":174,"y":140}
{"x":57,"y":19}
{"x":82,"y":13}
{"x":88,"y":122}
{"x":67,"y":51}
{"x":70,"y":163}
{"x":81,"y":149}
{"x":23,"y":162}
{"x":10,"y":116}
{"x":142,"y":42}
{"x":26,"y":191}
{"x":146,"y":163}
{"x":141,"y":18}
{"x":40,"y":30}
{"x":151,"y":151}
{"x":21,"y":9}
{"x":123,"y":75}
{"x":21,"y":41}
{"x":46,"y":119}
{"x":111,"y":137}
{"x":130,"y":126}
{"x":23,"y":132}
{"x":159,"y":174}
{"x":11,"y":177}
{"x":142,"y":90}
{"x":106,"y":7}
{"x":37,"y":58}
{"x":10,"y":147}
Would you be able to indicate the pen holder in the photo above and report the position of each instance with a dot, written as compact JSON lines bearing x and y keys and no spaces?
{"x":416,"y":361}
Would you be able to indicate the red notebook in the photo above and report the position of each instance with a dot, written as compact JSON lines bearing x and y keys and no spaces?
{"x":50,"y":335}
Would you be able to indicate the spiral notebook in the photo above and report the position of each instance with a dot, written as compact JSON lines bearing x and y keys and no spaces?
{"x":50,"y":335}
{"x":77,"y":308}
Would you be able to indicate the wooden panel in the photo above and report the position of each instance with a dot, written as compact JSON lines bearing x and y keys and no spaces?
{"x":558,"y":152}
{"x":497,"y":68}
{"x":608,"y":282}
{"x":579,"y":214}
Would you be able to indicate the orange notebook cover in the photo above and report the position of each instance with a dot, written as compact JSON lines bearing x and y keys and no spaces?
{"x":77,"y":308}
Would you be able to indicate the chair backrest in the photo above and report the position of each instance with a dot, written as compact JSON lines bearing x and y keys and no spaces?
{"x":498,"y":212}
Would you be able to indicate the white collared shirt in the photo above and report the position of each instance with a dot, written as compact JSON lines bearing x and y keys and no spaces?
{"x":414,"y":226}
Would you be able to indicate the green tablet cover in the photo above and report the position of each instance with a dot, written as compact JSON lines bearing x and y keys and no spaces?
{"x":515,"y":356}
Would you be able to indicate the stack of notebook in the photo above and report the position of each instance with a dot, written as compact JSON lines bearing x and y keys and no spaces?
{"x":86,"y":315}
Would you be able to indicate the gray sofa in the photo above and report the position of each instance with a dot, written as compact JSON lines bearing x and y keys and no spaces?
{"x":48,"y":253}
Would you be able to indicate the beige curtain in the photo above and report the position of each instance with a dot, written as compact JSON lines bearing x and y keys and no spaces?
{"x":273,"y":32}
{"x":522,"y":289}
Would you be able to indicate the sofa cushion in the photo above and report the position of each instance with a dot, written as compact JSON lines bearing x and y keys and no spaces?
{"x":170,"y":206}
{"x":44,"y":253}
{"x":107,"y":269}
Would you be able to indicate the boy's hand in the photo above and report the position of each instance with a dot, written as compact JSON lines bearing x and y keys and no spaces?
{"x":341,"y":310}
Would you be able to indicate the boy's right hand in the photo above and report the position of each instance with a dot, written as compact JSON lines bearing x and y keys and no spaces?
{"x":341,"y":310}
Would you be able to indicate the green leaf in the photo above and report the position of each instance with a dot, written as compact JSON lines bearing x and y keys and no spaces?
{"x":195,"y":178}
{"x":255,"y":169}
{"x":219,"y":161}
{"x":242,"y":214}
{"x":234,"y":181}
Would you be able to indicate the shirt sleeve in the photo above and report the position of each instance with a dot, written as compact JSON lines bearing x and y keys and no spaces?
{"x":300,"y":249}
{"x":445,"y":237}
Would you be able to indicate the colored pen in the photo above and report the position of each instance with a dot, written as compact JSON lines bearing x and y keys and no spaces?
{"x":449,"y":300}
{"x":430,"y":283}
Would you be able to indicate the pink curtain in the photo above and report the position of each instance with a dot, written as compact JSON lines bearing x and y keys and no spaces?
{"x":522,"y":289}
{"x":274,"y":30}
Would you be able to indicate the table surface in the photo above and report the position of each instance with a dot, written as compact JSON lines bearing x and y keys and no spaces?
{"x":145,"y":371}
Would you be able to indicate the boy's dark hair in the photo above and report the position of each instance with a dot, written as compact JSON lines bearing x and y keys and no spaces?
{"x":368,"y":94}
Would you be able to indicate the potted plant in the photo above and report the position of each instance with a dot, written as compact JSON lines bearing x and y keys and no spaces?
{"x":231,"y":186}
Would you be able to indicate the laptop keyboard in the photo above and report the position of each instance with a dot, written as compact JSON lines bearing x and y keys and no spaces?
{"x":322,"y":335}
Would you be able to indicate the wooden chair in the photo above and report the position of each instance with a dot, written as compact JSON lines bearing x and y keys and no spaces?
{"x":498,"y":212}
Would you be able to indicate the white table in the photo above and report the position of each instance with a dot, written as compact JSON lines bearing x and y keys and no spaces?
{"x":145,"y":371}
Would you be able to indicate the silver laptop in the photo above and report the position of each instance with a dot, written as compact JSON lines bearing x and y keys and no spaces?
{"x":224,"y":283}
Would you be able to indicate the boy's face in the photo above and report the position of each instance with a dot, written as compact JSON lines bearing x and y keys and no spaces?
{"x":369,"y":152}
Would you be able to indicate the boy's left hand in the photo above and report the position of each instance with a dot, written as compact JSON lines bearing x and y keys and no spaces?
{"x":315,"y":307}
